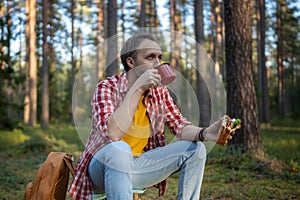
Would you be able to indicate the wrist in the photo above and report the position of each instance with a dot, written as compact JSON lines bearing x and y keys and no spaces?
{"x":201,"y":136}
{"x":135,"y":91}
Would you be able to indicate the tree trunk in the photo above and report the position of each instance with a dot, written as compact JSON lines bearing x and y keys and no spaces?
{"x":73,"y":60}
{"x":264,"y":113}
{"x":45,"y":73}
{"x":10,"y":98}
{"x":32,"y":63}
{"x":202,"y":90}
{"x":219,"y":37}
{"x":142,"y":20}
{"x":99,"y":68}
{"x":55,"y":96}
{"x":20,"y":90}
{"x":189,"y":71}
{"x":2,"y":66}
{"x":176,"y":41}
{"x":241,"y":97}
{"x":175,"y":26}
{"x":112,"y":47}
{"x":53,"y":80}
{"x":123,"y":20}
{"x":148,"y":16}
{"x":280,"y":68}
{"x":212,"y":42}
{"x":26,"y":97}
{"x":8,"y":34}
{"x":155,"y":17}
{"x":80,"y":39}
{"x":73,"y":64}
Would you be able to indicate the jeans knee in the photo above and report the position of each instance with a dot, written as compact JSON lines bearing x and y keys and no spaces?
{"x":120,"y":151}
{"x":201,"y":150}
{"x":120,"y":147}
{"x":116,"y":155}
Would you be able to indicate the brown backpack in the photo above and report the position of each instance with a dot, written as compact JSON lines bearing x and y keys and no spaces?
{"x":51,"y":181}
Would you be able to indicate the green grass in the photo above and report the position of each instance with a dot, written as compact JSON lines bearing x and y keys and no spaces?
{"x":22,"y":152}
{"x":227,"y":176}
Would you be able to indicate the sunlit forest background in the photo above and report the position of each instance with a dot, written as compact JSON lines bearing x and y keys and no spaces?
{"x":53,"y":52}
{"x":44,"y":44}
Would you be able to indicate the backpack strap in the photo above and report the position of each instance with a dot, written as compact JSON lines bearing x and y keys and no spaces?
{"x":69,"y":160}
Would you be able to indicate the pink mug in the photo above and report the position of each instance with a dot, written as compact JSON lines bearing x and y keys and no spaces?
{"x":166,"y":73}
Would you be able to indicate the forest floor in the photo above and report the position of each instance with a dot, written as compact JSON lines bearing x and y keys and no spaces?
{"x":227,"y":175}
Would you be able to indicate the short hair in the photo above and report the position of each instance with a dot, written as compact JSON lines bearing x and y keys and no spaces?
{"x":129,"y":48}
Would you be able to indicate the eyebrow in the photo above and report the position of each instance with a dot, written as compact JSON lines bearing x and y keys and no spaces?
{"x":153,"y":54}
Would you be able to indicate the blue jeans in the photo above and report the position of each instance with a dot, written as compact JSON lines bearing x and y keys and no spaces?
{"x":114,"y":170}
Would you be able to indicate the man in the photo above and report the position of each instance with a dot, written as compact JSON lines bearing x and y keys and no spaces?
{"x":127,"y":144}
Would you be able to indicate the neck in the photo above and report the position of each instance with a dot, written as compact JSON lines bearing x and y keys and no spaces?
{"x":131,"y":77}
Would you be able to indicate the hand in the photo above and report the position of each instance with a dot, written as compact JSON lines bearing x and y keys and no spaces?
{"x":221,"y":131}
{"x":212,"y":132}
{"x":148,"y":78}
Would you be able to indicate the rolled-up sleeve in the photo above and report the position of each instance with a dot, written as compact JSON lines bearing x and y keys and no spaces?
{"x":103,"y":105}
{"x":175,"y":121}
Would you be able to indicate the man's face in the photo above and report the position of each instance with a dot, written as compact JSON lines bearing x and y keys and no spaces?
{"x":148,"y":55}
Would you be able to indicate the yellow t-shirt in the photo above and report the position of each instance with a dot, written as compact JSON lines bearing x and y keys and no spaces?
{"x":139,"y":131}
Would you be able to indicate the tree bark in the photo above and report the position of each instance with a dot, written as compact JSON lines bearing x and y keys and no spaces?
{"x":155,"y":17}
{"x":241,"y":97}
{"x":99,"y":68}
{"x":9,"y":33}
{"x":10,"y":98}
{"x":219,"y":37}
{"x":142,"y":20}
{"x":264,"y":113}
{"x":26,"y":97}
{"x":32,"y":63}
{"x":280,"y":68}
{"x":175,"y":26}
{"x":112,"y":47}
{"x":212,"y":42}
{"x":202,"y":90}
{"x":53,"y":103}
{"x":72,"y":44}
{"x":45,"y":74}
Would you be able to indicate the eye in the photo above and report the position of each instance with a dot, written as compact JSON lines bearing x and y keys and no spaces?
{"x":150,"y":57}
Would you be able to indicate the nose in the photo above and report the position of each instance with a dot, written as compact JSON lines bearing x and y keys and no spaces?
{"x":157,"y":60}
{"x":156,"y":63}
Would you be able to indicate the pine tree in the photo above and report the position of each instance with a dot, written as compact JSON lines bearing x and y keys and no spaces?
{"x":241,"y":96}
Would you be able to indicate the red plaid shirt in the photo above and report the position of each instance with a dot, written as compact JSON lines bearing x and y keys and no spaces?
{"x":107,"y":97}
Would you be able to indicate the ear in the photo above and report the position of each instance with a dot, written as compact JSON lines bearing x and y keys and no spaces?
{"x":130,"y":62}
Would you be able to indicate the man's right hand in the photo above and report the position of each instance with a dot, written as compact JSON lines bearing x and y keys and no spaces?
{"x":149,"y":78}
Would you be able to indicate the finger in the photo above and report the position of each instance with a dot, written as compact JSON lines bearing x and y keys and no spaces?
{"x":156,"y":78}
{"x":155,"y":71}
{"x":155,"y":82}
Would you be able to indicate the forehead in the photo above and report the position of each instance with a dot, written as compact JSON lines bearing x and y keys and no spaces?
{"x":149,"y":45}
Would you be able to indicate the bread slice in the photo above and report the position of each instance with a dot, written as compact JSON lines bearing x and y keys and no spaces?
{"x":229,"y":126}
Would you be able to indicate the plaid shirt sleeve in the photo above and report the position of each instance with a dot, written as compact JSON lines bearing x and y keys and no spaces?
{"x":173,"y":117}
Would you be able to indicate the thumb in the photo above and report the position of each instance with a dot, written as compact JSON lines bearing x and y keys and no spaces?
{"x":213,"y":131}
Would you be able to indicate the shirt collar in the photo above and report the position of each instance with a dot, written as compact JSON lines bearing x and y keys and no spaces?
{"x":123,"y":83}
